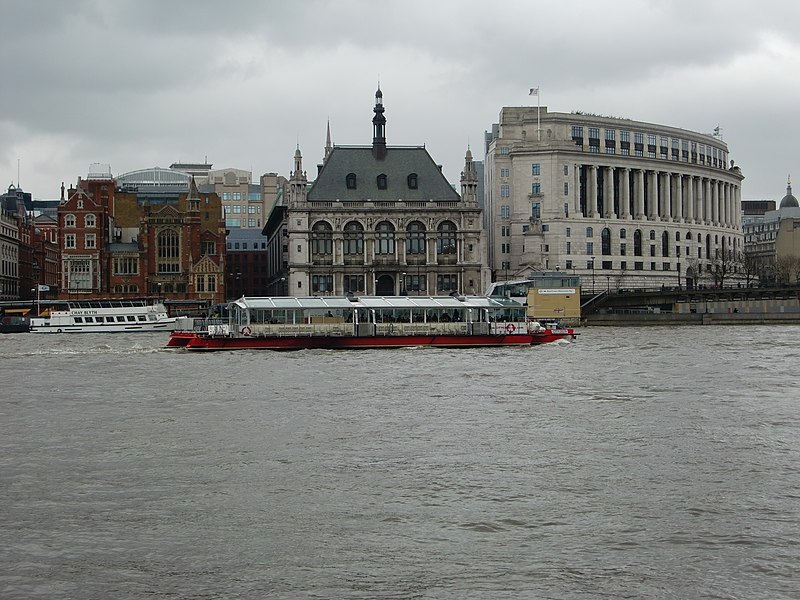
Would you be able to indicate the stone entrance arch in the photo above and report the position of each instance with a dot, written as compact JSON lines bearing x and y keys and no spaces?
{"x":690,"y":278}
{"x":384,"y":285}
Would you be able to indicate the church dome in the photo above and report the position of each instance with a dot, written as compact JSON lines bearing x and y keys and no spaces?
{"x":789,"y":201}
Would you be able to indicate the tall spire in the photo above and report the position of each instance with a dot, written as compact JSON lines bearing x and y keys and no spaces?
{"x":298,"y":163}
{"x":469,"y":180}
{"x":379,"y":127}
{"x":298,"y":181}
{"x":193,"y":198}
{"x":328,"y":145}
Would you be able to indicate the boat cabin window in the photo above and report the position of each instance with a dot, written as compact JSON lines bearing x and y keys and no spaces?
{"x":131,"y":318}
{"x":90,"y":319}
{"x":142,"y":318}
{"x":78,"y":319}
{"x":120,"y":319}
{"x":321,"y":315}
{"x":109,"y":319}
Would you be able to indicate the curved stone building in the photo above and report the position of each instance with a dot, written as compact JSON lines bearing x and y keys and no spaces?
{"x":622,"y":203}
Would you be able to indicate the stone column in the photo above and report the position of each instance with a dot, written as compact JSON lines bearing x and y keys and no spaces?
{"x":715,"y":203}
{"x":575,"y":209}
{"x":723,"y":204}
{"x":690,"y":181}
{"x":608,"y":193}
{"x":678,"y":178}
{"x":652,"y":196}
{"x":638,"y":194}
{"x":591,"y":191}
{"x":706,"y":201}
{"x":625,"y":192}
{"x":666,"y":213}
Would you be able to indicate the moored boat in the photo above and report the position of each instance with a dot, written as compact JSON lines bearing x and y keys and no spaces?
{"x":287,"y":323}
{"x":104,"y":316}
{"x":14,"y":324}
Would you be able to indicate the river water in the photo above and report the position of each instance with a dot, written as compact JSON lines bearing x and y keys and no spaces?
{"x":636,"y":463}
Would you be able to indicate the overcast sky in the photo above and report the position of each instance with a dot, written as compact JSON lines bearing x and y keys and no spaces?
{"x":143,"y":83}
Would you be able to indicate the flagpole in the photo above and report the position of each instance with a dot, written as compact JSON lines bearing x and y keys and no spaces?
{"x":538,"y":121}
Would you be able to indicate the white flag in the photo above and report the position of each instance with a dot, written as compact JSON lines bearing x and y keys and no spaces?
{"x":534,"y":92}
{"x":44,"y":288}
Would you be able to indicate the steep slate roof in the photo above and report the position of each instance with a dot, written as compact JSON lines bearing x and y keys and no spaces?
{"x":399,"y":163}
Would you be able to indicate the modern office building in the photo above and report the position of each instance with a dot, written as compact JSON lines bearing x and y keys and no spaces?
{"x":246,"y":263}
{"x":382,"y":220}
{"x":621,"y":203}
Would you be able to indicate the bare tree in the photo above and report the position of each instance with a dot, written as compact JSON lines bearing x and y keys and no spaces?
{"x":787,"y":269}
{"x":723,"y":265}
{"x":751,"y":267}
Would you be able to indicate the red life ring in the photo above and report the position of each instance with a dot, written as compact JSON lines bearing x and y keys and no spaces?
{"x":246,"y":330}
{"x":511,"y":328}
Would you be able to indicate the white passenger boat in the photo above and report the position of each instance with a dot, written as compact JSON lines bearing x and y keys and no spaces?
{"x":104,"y":316}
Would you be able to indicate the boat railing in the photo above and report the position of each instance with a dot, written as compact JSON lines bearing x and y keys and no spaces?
{"x":297,"y":329}
{"x":509,"y":327}
{"x":458,"y":328}
{"x":347,"y":329}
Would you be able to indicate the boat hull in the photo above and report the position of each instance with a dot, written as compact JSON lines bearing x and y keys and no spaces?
{"x":200,"y":342}
{"x":105,"y":328}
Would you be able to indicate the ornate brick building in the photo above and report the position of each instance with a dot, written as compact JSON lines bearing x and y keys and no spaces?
{"x":117,"y":242}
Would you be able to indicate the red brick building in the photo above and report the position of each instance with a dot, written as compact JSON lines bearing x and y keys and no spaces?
{"x":117,"y":242}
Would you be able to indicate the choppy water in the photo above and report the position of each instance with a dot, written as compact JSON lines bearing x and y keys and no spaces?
{"x":636,"y":463}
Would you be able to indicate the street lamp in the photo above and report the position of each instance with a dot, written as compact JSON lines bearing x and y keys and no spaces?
{"x":593,"y":274}
{"x":403,"y":284}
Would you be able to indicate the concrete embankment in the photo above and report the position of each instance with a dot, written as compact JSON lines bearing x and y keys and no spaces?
{"x":644,"y":319}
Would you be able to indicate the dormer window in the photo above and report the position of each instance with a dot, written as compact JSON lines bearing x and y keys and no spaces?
{"x":412,"y":181}
{"x":382,"y":181}
{"x":350,"y":181}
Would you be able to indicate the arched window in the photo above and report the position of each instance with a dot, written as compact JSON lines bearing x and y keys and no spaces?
{"x":637,"y":242}
{"x":382,"y":184}
{"x":589,"y":232}
{"x":665,"y":244}
{"x":446,"y":238}
{"x":350,"y":181}
{"x":412,"y":181}
{"x":688,"y":235}
{"x":321,"y":239}
{"x":168,"y":251}
{"x":384,"y":238}
{"x":652,"y":235}
{"x":605,"y":241}
{"x":415,"y":238}
{"x":353,"y":238}
{"x":677,"y":236}
{"x":69,"y":220}
{"x":623,"y":234}
{"x":90,"y":221}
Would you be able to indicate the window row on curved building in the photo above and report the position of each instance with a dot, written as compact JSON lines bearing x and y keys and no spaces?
{"x":639,"y":203}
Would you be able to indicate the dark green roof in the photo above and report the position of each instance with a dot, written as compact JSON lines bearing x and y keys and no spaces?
{"x":399,"y":163}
